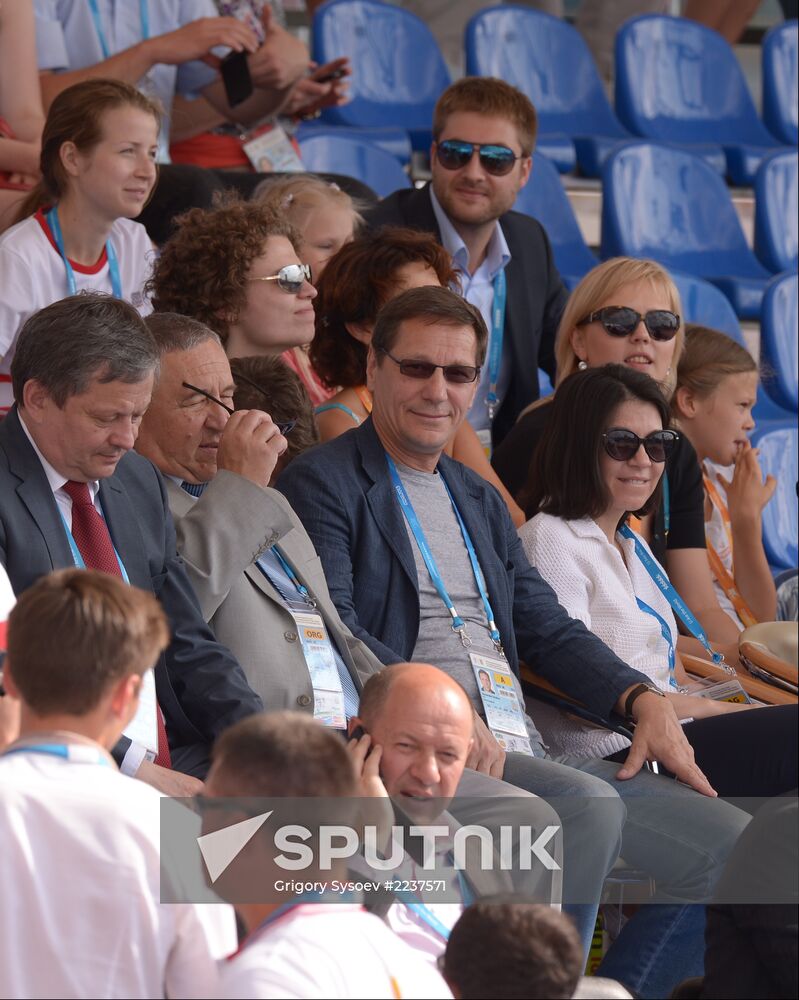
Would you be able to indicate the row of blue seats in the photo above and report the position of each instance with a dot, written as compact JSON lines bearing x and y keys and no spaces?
{"x":676,"y":82}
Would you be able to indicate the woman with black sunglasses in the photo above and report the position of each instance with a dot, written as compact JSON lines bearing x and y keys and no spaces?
{"x":627,"y":311}
{"x":587,"y":477}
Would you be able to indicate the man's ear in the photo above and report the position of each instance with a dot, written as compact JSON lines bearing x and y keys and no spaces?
{"x":527,"y":169}
{"x":35,"y":399}
{"x":371,"y":365}
{"x":8,"y":679}
{"x":354,"y":723}
{"x":361,"y":332}
{"x":125,"y":697}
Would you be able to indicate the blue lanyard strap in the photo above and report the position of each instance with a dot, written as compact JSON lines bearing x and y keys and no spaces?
{"x":495,"y":345}
{"x":665,"y":631}
{"x":144,"y":14}
{"x":458,"y":624}
{"x":423,"y":911}
{"x":77,"y":558}
{"x":301,"y":589}
{"x":76,"y":753}
{"x":678,"y":605}
{"x":113,"y":263}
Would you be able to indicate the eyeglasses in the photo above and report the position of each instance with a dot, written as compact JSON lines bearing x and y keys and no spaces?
{"x":453,"y":154}
{"x":622,"y":444}
{"x":290,"y":278}
{"x":456,"y":374}
{"x":620,"y":321}
{"x":283,"y":428}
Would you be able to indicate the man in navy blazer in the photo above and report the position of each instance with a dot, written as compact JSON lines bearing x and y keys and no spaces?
{"x":423,"y":365}
{"x":467,"y":206}
{"x":83,"y":374}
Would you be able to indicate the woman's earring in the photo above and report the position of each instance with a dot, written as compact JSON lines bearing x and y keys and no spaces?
{"x":668,"y":372}
{"x":582,"y":365}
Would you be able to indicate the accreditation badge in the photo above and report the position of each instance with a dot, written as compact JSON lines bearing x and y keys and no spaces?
{"x":321,"y":660}
{"x":501,"y":706}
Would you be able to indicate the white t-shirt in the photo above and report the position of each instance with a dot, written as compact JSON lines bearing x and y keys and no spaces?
{"x":595,"y":584}
{"x":329,"y":950}
{"x":716,"y":535}
{"x":32,"y":275}
{"x":79,"y":888}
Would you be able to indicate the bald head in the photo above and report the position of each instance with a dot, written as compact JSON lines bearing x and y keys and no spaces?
{"x":402,"y":687}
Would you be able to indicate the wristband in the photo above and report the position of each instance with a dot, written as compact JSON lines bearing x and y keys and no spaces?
{"x":636,"y":692}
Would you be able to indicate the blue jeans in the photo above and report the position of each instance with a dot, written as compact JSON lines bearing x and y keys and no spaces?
{"x":679,"y":837}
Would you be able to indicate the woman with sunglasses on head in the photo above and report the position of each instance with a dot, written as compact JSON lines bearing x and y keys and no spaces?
{"x":587,"y":477}
{"x":364,"y":275}
{"x":627,"y":311}
{"x":236,"y":268}
{"x":75,"y":230}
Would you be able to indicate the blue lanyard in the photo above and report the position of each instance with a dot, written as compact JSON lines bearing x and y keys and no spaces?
{"x":113,"y":264}
{"x":495,"y":346}
{"x":678,"y":605}
{"x":77,"y":558}
{"x":144,"y":13}
{"x":458,"y":624}
{"x":302,"y":590}
{"x":423,"y":911}
{"x":61,"y":750}
{"x":665,"y":631}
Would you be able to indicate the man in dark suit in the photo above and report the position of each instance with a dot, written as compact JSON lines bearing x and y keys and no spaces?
{"x":483,"y":137}
{"x":424,"y":564}
{"x":72,"y":492}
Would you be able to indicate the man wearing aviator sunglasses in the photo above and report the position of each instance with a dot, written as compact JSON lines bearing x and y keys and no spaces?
{"x":481,"y":157}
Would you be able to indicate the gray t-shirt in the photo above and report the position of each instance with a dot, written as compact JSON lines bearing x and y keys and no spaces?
{"x":437,"y":643}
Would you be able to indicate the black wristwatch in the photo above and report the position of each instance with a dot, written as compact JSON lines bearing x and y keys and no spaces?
{"x":636,"y":692}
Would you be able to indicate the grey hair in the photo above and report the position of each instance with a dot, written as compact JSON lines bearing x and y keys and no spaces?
{"x":84,"y":336}
{"x":175,"y":332}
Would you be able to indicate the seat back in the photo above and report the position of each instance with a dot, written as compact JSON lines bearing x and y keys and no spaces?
{"x":779,"y":341}
{"x":776,"y":208}
{"x":548,"y":60}
{"x":778,"y":443}
{"x":781,"y":82}
{"x":545,"y":198}
{"x":703,"y":303}
{"x":390,"y":138}
{"x":398,"y":70}
{"x":678,"y":81}
{"x":332,"y":154}
{"x":670,"y":205}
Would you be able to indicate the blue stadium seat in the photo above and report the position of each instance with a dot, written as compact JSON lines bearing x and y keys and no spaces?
{"x":680,"y":83}
{"x":779,"y":341}
{"x":781,"y":82}
{"x":778,"y":455}
{"x":703,"y":303}
{"x":776,"y":212}
{"x":544,"y":197}
{"x":398,"y":71}
{"x":334,"y":154}
{"x":393,"y":140}
{"x":670,"y":205}
{"x":548,"y":60}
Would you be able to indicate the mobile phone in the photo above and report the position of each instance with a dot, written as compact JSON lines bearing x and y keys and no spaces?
{"x":236,"y":77}
{"x":335,"y":74}
{"x":358,"y":733}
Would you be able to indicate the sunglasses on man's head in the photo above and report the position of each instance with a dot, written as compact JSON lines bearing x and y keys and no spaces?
{"x":453,"y":154}
{"x":290,"y":278}
{"x":621,"y":321}
{"x":622,"y":444}
{"x":456,"y":374}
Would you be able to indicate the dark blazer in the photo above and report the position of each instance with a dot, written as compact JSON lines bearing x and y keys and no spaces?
{"x":201,"y":687}
{"x":536,"y":294}
{"x":342,"y":493}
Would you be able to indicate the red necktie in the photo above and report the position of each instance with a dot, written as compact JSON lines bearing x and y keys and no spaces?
{"x":95,"y":546}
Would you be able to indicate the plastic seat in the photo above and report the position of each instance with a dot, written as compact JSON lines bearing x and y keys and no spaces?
{"x":548,"y":60}
{"x":395,"y":141}
{"x":779,"y":341}
{"x":776,"y":207}
{"x":669,"y":205}
{"x":680,"y":83}
{"x":339,"y":155}
{"x":398,"y":71}
{"x":544,"y":197}
{"x":781,"y":82}
{"x":778,"y":444}
{"x":703,"y":303}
